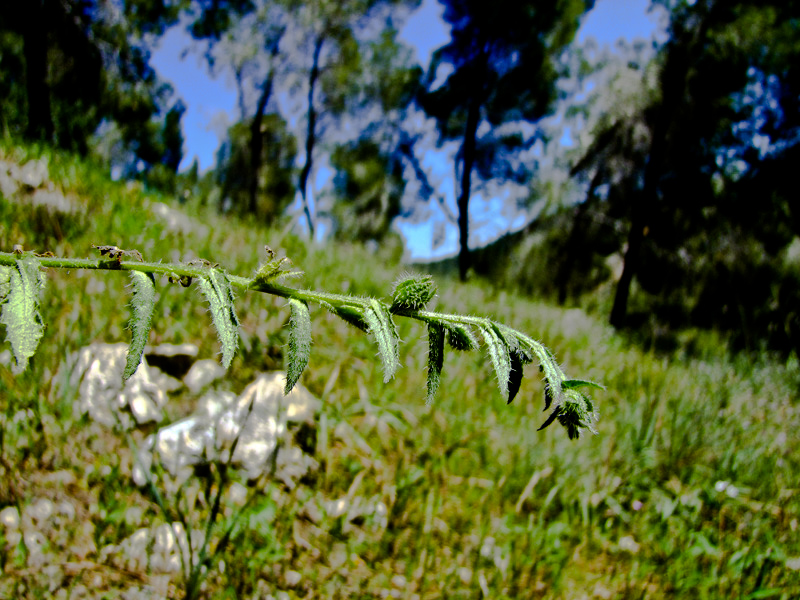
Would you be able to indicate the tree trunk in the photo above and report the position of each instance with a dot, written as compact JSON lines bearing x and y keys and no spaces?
{"x":257,"y":142}
{"x":467,"y":162}
{"x":34,"y":35}
{"x":673,"y":85}
{"x":256,"y":139}
{"x":311,"y":131}
{"x":631,"y":261}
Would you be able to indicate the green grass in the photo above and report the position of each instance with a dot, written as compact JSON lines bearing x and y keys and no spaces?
{"x":477,"y":501}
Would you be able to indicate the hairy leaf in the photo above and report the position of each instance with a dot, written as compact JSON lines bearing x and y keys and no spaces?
{"x":383,"y":330}
{"x":142,"y":304}
{"x":498,"y":352}
{"x":551,"y":418}
{"x":20,"y":312}
{"x":217,"y":289}
{"x":460,"y":337}
{"x":515,"y":377}
{"x":350,"y":314}
{"x":435,"y":359}
{"x":299,"y":343}
{"x":413,"y":293}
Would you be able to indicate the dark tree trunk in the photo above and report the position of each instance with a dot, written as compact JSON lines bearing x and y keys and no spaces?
{"x":467,"y":162}
{"x":667,"y":117}
{"x":257,"y":142}
{"x":256,"y":139}
{"x":34,"y":35}
{"x":311,"y":133}
{"x":619,"y":310}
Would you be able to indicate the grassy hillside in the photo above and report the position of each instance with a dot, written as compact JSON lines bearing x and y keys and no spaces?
{"x":689,"y":490}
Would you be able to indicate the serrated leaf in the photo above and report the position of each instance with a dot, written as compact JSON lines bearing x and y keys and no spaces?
{"x":20,"y":312}
{"x":383,"y":330}
{"x":498,"y":352}
{"x":548,"y":396}
{"x":143,"y":302}
{"x":515,"y":377}
{"x":412,"y":293}
{"x":299,"y":342}
{"x":552,"y":417}
{"x":460,"y":337}
{"x":435,"y":359}
{"x":218,"y":292}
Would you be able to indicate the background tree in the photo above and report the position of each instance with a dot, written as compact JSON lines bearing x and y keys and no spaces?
{"x":314,"y":52}
{"x":274,"y":177}
{"x":370,"y":178}
{"x":84,"y":62}
{"x":697,"y":174}
{"x":501,"y":57}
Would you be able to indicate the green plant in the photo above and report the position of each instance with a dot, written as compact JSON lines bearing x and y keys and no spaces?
{"x":22,"y":280}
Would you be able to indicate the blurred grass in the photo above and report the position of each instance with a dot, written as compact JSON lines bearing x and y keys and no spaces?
{"x":690,"y":490}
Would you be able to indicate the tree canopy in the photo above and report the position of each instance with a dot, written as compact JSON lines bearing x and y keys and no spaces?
{"x":501,"y":63}
{"x":69,"y":67}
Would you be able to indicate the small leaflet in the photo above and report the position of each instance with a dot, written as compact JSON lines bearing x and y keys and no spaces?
{"x":143,"y":302}
{"x":217,"y":289}
{"x":498,"y":352}
{"x":383,"y":330}
{"x":351,"y":315}
{"x":20,"y":310}
{"x":515,"y":377}
{"x":435,"y":359}
{"x":299,"y":342}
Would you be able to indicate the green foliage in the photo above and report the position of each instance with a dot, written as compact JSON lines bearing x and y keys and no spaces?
{"x":435,"y":359}
{"x":299,"y":342}
{"x":501,"y":56}
{"x":74,"y":66}
{"x":690,"y":491}
{"x":508,"y":349}
{"x":369,"y":187}
{"x":142,"y":304}
{"x":20,"y":287}
{"x":216,"y":288}
{"x":274,"y":177}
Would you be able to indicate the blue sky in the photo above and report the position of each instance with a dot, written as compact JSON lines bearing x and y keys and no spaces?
{"x":211,"y":108}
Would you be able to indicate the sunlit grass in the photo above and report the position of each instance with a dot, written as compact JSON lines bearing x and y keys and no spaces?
{"x":690,"y":490}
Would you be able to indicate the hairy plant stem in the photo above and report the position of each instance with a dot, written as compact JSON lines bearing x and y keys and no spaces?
{"x":178,"y":270}
{"x":507,"y":349}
